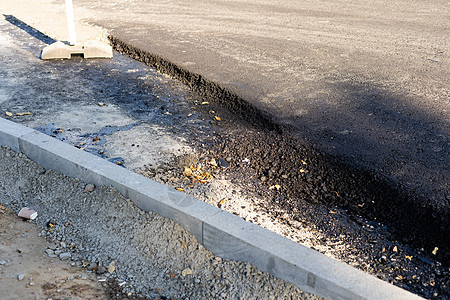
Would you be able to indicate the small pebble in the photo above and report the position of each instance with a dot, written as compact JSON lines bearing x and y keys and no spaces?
{"x":89,"y":188}
{"x":20,"y":277}
{"x":65,"y":255}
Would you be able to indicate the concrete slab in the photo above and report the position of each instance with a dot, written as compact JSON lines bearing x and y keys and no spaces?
{"x":89,"y":49}
{"x":226,"y":235}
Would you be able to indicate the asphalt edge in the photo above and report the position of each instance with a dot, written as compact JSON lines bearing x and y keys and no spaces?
{"x":200,"y":85}
{"x":226,"y":235}
{"x":434,"y":223}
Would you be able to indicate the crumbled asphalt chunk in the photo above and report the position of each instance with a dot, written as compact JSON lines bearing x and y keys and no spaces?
{"x":146,"y":247}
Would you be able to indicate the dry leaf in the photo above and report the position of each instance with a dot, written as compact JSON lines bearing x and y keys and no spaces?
{"x":101,"y":104}
{"x":399,"y":277}
{"x":8,"y":114}
{"x":302,"y":170}
{"x":303,"y":162}
{"x":332,"y":212}
{"x":217,"y":118}
{"x":118,"y":163}
{"x":432,"y":282}
{"x":171,"y":275}
{"x":408,"y":257}
{"x":205,"y":103}
{"x":184,"y":245}
{"x":186,"y":272}
{"x":395,"y":249}
{"x":112,"y":267}
{"x":213,"y":162}
{"x":187,"y":172}
{"x":276,"y":186}
{"x":179,"y":189}
{"x":435,"y":250}
{"x":222,"y":202}
{"x":23,"y":114}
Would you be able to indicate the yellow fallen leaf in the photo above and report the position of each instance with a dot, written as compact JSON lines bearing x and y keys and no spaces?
{"x":217,"y":118}
{"x":112,"y":267}
{"x":435,"y":250}
{"x":303,"y":162}
{"x":205,"y":103}
{"x":184,"y":245}
{"x":332,"y":212}
{"x":8,"y":114}
{"x":179,"y":189}
{"x":302,"y":170}
{"x":399,"y":277}
{"x":101,"y":104}
{"x":408,"y":257}
{"x":222,"y":202}
{"x":23,"y":114}
{"x":276,"y":186}
{"x":395,"y":249}
{"x":186,"y":272}
{"x":213,"y":162}
{"x":187,"y":172}
{"x":432,"y":282}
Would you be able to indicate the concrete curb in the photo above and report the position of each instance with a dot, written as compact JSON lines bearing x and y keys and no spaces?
{"x":225,"y":234}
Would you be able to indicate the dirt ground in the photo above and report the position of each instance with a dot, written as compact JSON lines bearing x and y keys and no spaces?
{"x":22,"y":252}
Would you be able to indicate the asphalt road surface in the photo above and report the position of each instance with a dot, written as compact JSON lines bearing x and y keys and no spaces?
{"x":366,"y":80}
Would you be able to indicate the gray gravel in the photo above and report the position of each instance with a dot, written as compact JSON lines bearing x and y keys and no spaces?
{"x":151,"y":253}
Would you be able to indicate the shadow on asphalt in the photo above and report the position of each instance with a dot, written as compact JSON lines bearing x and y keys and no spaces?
{"x":30,"y":30}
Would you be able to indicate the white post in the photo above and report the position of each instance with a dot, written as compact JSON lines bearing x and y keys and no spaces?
{"x":71,"y":22}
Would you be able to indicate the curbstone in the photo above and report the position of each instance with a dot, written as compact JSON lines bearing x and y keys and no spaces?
{"x":224,"y":234}
{"x":10,"y":133}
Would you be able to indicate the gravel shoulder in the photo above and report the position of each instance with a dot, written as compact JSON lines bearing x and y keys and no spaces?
{"x":26,"y":271}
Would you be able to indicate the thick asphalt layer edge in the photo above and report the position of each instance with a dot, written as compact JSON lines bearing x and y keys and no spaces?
{"x":413,"y":209}
{"x":199,"y":84}
{"x":226,"y":235}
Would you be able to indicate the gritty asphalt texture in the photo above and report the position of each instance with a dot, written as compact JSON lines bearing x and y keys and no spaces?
{"x":365,"y":80}
{"x":339,"y":201}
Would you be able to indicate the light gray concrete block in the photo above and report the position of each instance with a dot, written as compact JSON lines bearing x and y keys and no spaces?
{"x":229,"y":236}
{"x":184,"y":209}
{"x":10,"y":133}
